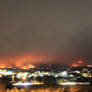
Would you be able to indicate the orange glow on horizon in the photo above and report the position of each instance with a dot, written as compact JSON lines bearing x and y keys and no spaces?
{"x":28,"y":66}
{"x":89,"y":65}
{"x":74,"y":65}
{"x":23,"y":60}
{"x":2,"y":66}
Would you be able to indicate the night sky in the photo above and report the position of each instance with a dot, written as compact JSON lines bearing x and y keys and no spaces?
{"x":33,"y":31}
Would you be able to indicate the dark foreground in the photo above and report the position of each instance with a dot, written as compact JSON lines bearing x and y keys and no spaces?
{"x":63,"y":89}
{"x":49,"y":89}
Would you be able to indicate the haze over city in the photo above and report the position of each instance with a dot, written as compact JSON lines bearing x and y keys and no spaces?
{"x":35,"y":31}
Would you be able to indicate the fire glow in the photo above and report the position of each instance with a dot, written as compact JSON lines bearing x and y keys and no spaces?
{"x":23,"y":61}
{"x":78,"y":63}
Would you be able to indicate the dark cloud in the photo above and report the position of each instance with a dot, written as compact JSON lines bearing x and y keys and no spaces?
{"x":58,"y":28}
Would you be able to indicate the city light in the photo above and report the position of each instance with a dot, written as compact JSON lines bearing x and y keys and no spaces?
{"x":64,"y":74}
{"x":75,"y":83}
{"x":74,"y":65}
{"x":22,"y":84}
{"x":26,"y":84}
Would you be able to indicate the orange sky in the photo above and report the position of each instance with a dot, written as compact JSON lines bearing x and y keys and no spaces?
{"x":23,"y":59}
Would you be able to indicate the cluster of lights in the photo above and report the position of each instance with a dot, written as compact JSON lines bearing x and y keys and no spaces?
{"x":23,"y":76}
{"x":5,"y":72}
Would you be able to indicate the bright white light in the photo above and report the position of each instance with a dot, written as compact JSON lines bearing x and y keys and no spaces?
{"x":26,"y":84}
{"x":22,"y":84}
{"x":85,"y":83}
{"x":64,"y":74}
{"x":68,"y":83}
{"x":75,"y":83}
{"x":56,"y":76}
